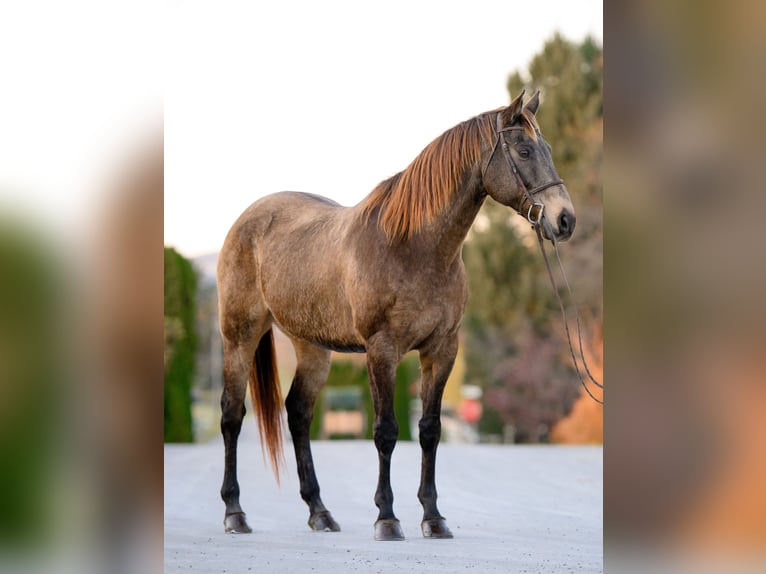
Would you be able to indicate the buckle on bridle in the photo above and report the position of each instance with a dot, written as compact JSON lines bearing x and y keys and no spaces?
{"x":539,"y":218}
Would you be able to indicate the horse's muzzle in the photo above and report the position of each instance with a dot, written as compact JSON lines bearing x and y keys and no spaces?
{"x":565,"y":224}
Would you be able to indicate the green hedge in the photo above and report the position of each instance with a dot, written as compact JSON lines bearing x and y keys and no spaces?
{"x":180,"y":345}
{"x":346,"y":373}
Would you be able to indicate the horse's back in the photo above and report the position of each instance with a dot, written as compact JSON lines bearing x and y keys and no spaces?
{"x":286,"y":208}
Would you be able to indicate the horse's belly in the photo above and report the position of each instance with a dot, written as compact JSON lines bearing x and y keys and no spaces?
{"x":341,"y":347}
{"x":325,"y":321}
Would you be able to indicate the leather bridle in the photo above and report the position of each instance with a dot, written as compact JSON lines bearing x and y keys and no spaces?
{"x":527,"y":194}
{"x":538,"y":222}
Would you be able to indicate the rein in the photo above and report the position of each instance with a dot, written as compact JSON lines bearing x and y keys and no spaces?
{"x":564,"y":315}
{"x":537,"y":223}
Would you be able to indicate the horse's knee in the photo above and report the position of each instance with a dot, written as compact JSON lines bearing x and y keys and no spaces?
{"x":232,"y":413}
{"x":298,"y":423}
{"x":430,"y":428}
{"x":385,"y":432}
{"x":300,"y":412}
{"x":230,"y":426}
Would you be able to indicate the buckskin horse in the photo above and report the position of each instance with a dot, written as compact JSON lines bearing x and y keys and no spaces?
{"x":383,"y":277}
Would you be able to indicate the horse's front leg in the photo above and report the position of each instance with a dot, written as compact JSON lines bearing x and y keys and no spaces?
{"x":381,"y":366}
{"x":436,"y":365}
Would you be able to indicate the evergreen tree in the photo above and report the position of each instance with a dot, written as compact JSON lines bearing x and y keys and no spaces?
{"x":515,"y":347}
{"x":570,"y":79}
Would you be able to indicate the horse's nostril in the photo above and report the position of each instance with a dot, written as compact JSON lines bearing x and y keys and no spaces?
{"x":566,"y":223}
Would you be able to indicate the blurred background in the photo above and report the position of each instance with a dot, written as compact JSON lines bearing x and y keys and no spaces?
{"x":109,"y":109}
{"x":82,"y":173}
{"x":685,"y":463}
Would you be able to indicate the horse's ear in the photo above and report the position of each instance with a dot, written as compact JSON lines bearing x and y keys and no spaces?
{"x":533,"y":103}
{"x":511,"y":114}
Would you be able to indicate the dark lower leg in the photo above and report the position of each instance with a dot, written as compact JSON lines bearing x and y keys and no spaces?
{"x":382,"y":358}
{"x":387,"y":526}
{"x":231,"y":424}
{"x":429,"y":432}
{"x":385,"y":430}
{"x":436,"y":367}
{"x":433,"y":525}
{"x":300,"y":411}
{"x":385,"y":433}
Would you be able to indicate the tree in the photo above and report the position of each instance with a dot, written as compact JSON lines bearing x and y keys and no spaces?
{"x":570,"y":79}
{"x":515,"y":347}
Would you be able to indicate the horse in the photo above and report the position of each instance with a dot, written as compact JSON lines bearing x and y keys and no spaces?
{"x":383,"y":278}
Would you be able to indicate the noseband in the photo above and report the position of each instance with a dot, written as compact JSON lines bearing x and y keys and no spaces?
{"x":527,"y":193}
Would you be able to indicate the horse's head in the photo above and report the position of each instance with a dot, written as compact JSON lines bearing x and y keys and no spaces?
{"x":519,"y":172}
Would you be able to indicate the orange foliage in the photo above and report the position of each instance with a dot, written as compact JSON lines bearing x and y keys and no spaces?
{"x":585,"y":423}
{"x":730,"y":509}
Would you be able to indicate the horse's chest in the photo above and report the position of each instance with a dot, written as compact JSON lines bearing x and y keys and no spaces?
{"x":435,"y":306}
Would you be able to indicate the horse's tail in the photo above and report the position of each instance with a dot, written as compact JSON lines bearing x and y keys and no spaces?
{"x":267,"y":399}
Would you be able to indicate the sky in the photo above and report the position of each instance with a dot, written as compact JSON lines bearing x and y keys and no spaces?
{"x":253,"y":98}
{"x":329,"y":97}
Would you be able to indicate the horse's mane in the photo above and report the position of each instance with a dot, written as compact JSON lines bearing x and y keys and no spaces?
{"x":415,"y":196}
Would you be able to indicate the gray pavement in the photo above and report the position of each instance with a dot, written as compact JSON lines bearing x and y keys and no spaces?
{"x":511,"y":508}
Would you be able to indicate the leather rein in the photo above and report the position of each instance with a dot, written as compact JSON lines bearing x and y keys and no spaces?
{"x":538,"y":222}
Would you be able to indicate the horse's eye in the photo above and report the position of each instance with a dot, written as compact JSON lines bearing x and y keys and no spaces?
{"x":524,"y":153}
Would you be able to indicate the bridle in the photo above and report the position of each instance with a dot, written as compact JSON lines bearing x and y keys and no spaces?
{"x":538,"y":222}
{"x":527,"y":194}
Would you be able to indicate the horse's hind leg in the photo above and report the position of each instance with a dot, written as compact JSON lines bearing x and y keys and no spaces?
{"x":235,"y":373}
{"x":436,"y":365}
{"x":310,"y":375}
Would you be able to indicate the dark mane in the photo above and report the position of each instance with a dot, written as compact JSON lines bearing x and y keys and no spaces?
{"x":415,"y":196}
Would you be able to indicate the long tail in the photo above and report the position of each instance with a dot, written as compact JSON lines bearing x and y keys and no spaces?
{"x":267,"y":399}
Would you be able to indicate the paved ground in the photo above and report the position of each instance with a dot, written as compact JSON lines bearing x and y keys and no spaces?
{"x":511,"y":508}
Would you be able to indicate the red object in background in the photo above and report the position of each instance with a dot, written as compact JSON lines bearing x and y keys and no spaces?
{"x":470,"y":410}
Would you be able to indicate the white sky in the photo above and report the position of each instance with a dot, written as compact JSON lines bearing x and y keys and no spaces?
{"x":327,"y":96}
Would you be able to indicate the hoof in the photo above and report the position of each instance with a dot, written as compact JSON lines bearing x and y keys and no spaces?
{"x":435,"y":528}
{"x":388,"y":529}
{"x":323,"y":522}
{"x":236,"y":524}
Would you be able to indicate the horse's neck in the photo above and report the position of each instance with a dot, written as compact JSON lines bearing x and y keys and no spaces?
{"x":450,"y":230}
